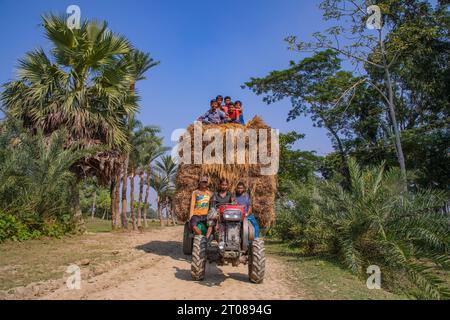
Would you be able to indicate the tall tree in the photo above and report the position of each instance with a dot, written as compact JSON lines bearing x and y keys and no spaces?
{"x":83,"y":85}
{"x":315,"y":86}
{"x":366,"y":49}
{"x":152,"y":151}
{"x":141,"y":63}
{"x":160,"y":184}
{"x":140,"y":139}
{"x":166,"y":168}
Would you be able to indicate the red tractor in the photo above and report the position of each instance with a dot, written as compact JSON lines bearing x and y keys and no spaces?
{"x":232,"y":241}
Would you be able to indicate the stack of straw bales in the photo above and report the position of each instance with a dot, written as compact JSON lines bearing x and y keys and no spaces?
{"x":262,"y":188}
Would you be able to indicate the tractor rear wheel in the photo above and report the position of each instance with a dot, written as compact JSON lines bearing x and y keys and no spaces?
{"x":198,"y":264}
{"x":256,"y":261}
{"x":187,"y":239}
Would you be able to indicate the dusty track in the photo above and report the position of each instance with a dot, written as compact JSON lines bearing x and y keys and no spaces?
{"x":163,"y":272}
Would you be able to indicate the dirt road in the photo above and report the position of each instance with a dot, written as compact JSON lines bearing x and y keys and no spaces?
{"x":161,"y":271}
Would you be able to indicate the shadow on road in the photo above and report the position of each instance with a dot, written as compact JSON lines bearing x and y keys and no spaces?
{"x":214,"y":276}
{"x":173,"y":249}
{"x":165,"y":248}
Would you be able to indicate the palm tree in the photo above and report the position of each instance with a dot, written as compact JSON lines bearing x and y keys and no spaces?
{"x":160,"y":184}
{"x":140,"y":141}
{"x":376,"y":222}
{"x":84,"y":85}
{"x":153,"y":151}
{"x":167,"y":169}
{"x":35,"y":175}
{"x":151,"y":148}
{"x":141,"y":63}
{"x":132,"y":126}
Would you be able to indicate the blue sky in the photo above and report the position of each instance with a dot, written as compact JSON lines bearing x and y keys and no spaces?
{"x":206,"y":47}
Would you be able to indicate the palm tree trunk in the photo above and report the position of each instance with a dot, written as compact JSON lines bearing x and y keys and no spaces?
{"x":146,"y":204}
{"x":141,"y":191}
{"x":167,"y":211}
{"x":124,"y":192}
{"x":80,"y":226}
{"x":112,"y":194}
{"x":160,"y":212}
{"x":171,"y":212}
{"x":133,"y":218}
{"x":117,"y":200}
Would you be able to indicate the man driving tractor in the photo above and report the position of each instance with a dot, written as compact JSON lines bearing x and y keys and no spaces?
{"x":231,"y":231}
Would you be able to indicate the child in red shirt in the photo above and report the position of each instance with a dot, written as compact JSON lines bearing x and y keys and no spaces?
{"x":233,"y":114}
{"x":227,"y":104}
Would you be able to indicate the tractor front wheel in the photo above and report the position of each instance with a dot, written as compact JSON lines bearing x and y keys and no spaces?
{"x":256,"y":261}
{"x":187,"y":239}
{"x":198,"y":264}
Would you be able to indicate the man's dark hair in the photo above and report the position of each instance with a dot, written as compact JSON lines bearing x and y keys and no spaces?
{"x":238,"y":101}
{"x":212,"y":101}
{"x":223,"y":180}
{"x":240,"y":183}
{"x":227,"y":97}
{"x":219,"y":96}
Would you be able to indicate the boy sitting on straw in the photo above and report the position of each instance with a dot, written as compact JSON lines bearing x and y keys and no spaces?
{"x":238,"y":105}
{"x":233,"y":114}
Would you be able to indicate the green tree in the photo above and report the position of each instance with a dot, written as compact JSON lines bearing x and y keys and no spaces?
{"x":152,"y":151}
{"x":167,"y":168}
{"x":84,"y":85}
{"x":315,"y":87}
{"x":141,"y":139}
{"x":295,"y":165}
{"x":35,"y":176}
{"x":141,"y":63}
{"x":373,"y":223}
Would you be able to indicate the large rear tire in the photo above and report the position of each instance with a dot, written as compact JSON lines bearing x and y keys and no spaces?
{"x":187,"y":239}
{"x":256,"y":261}
{"x":198,"y":264}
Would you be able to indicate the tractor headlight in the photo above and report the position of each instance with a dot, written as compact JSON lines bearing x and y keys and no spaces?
{"x":236,"y":216}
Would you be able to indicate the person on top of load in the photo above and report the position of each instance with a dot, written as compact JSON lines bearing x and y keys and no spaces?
{"x":233,"y":114}
{"x":219,"y":100}
{"x":214,"y":115}
{"x":227,"y":101}
{"x":199,"y":205}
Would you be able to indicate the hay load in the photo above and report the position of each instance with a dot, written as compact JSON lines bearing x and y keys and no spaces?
{"x":261,"y":185}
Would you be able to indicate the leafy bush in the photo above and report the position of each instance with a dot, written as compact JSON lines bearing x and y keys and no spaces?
{"x":12,"y":229}
{"x":376,"y":222}
{"x":35,"y":180}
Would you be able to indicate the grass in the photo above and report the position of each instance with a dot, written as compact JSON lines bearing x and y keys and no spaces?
{"x":324,"y":278}
{"x":97,"y":225}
